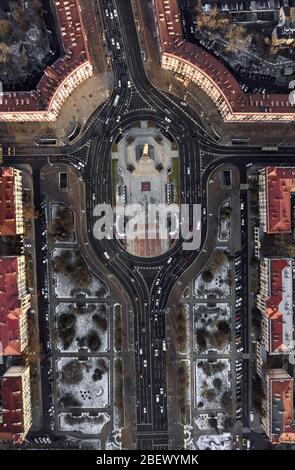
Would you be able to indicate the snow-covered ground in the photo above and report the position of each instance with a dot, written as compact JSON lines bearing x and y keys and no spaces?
{"x":65,"y":288}
{"x":218,"y":286}
{"x":202,"y":421}
{"x":204,"y":382}
{"x":84,"y":324}
{"x":85,"y":423}
{"x":90,"y":393}
{"x":215,"y":442}
{"x":207,"y":317}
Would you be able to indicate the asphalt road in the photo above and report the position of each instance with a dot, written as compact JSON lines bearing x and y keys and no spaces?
{"x":147,"y":282}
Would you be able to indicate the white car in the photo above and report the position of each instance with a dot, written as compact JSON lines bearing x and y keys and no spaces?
{"x":169,"y":260}
{"x":145,"y":363}
{"x":118,"y":46}
{"x":115,"y":13}
{"x":118,"y":118}
{"x":157,"y":398}
{"x":113,"y":41}
{"x":144,"y":410}
{"x":161,"y":391}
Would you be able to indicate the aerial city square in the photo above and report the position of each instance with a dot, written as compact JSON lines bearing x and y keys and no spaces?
{"x":147,"y":228}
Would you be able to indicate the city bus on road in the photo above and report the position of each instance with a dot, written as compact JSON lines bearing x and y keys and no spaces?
{"x":269,"y":148}
{"x":116,"y":101}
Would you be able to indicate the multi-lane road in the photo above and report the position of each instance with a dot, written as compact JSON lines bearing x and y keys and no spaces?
{"x":147,"y":282}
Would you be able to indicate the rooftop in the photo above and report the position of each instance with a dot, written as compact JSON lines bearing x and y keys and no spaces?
{"x":281,"y":403}
{"x":10,"y":307}
{"x":173,"y":44}
{"x":280,"y":183}
{"x":12,"y":413}
{"x":279,"y":305}
{"x":7,"y":203}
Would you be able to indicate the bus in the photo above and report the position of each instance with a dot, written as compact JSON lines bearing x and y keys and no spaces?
{"x":269,"y":148}
{"x":116,"y":101}
{"x":245,"y":141}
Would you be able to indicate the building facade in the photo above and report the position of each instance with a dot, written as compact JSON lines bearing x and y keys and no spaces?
{"x":15,"y":408}
{"x":191,"y":63}
{"x":14,"y":305}
{"x":59,"y":79}
{"x":275,"y":301}
{"x":278,"y":422}
{"x":276,"y":186}
{"x":11,"y":202}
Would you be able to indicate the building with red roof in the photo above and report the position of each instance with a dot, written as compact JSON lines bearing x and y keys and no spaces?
{"x":11,"y":205}
{"x":14,"y":304}
{"x":278,"y":422}
{"x":276,"y":184}
{"x":275,"y":301}
{"x":59,"y":79}
{"x":191,"y":63}
{"x":15,"y":404}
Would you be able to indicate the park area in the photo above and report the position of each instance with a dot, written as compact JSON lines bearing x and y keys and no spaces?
{"x":72,"y":276}
{"x":83,"y":384}
{"x":213,"y":385}
{"x":212,"y":327}
{"x":214,"y":281}
{"x":82,"y":326}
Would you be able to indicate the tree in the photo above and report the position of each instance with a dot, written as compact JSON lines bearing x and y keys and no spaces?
{"x":66,"y":329}
{"x":207,"y":276}
{"x":4,"y":52}
{"x":217,"y":383}
{"x":201,"y":337}
{"x":226,"y":402}
{"x":97,"y":375}
{"x":130,"y":167}
{"x":226,"y":212}
{"x":62,"y":225}
{"x":72,"y":373}
{"x":102,"y":365}
{"x":4,"y":28}
{"x":100,"y":322}
{"x":159,"y":167}
{"x":93,"y":341}
{"x":210,"y":394}
{"x":68,"y":401}
{"x":212,"y":421}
